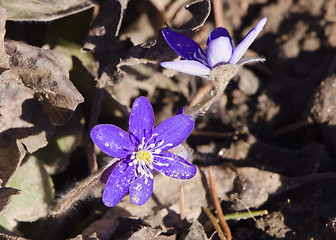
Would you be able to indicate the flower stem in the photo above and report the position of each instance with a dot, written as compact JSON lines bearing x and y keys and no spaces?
{"x":79,"y":192}
{"x":220,"y":77}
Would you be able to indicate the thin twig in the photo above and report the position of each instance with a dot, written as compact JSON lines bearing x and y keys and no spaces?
{"x":247,"y":208}
{"x":182,"y":206}
{"x":214,"y":223}
{"x":218,"y":12}
{"x":218,"y":207}
{"x":292,"y":127}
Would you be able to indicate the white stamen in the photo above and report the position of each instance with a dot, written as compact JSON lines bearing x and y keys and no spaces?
{"x":157,"y":151}
{"x":167,"y":145}
{"x":151,"y":145}
{"x":160,"y":143}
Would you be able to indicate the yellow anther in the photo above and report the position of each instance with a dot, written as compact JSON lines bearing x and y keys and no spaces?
{"x":144,"y":156}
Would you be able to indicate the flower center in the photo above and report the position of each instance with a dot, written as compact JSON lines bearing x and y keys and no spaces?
{"x":144,"y":156}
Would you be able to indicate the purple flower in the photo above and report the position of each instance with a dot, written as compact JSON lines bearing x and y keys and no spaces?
{"x":140,"y":151}
{"x":220,"y":50}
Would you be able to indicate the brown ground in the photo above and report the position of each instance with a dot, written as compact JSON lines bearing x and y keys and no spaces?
{"x":270,"y":139}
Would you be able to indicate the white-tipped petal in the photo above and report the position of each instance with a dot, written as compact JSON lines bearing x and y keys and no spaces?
{"x":219,"y":50}
{"x":190,"y":67}
{"x":247,"y":41}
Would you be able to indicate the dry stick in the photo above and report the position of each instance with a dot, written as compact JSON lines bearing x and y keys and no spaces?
{"x":182,"y":206}
{"x":218,"y":207}
{"x":292,"y":127}
{"x":218,"y":12}
{"x":95,"y":110}
{"x":214,"y":223}
{"x":247,"y":208}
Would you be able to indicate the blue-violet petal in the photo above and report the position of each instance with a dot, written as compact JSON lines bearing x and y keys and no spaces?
{"x":118,"y":184}
{"x":141,"y":189}
{"x":188,"y":66}
{"x":141,"y":120}
{"x":173,"y":131}
{"x":107,"y":172}
{"x":112,"y":140}
{"x":247,"y":41}
{"x":219,"y":32}
{"x":184,"y":46}
{"x":172,"y":165}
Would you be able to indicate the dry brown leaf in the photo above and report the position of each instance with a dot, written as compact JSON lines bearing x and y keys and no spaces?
{"x":106,"y":25}
{"x":200,"y":9}
{"x":152,"y":51}
{"x":45,"y":72}
{"x":23,"y":122}
{"x":102,"y":38}
{"x":158,"y":50}
{"x":43,"y":10}
{"x":35,"y":94}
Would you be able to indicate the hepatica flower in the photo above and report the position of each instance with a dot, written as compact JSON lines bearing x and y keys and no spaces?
{"x":220,"y":50}
{"x":141,"y":151}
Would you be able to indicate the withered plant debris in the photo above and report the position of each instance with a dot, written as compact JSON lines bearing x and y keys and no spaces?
{"x":35,"y":95}
{"x":200,"y":9}
{"x":158,"y":50}
{"x":45,"y":72}
{"x":43,"y":10}
{"x":270,"y":138}
{"x":102,"y":37}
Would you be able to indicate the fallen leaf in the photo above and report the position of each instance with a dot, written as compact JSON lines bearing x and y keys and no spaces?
{"x":43,"y":10}
{"x":37,"y":192}
{"x":106,"y":25}
{"x":45,"y":72}
{"x":200,"y":9}
{"x":23,"y":123}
